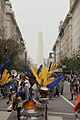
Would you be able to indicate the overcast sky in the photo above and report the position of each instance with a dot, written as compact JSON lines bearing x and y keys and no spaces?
{"x":39,"y":15}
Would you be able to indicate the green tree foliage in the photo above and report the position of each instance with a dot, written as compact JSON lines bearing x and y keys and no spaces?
{"x":29,"y":62}
{"x":14,"y":50}
{"x":72,"y":64}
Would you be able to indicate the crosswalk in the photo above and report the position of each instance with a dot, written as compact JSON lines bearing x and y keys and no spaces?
{"x":54,"y":118}
{"x":4,"y":115}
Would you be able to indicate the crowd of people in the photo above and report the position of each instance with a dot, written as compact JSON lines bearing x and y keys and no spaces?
{"x":25,"y":87}
{"x":74,"y":84}
{"x":74,"y":81}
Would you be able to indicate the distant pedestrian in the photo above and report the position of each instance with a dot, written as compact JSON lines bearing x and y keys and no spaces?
{"x":9,"y":98}
{"x":56,"y":91}
{"x":61,"y":87}
{"x":2,"y":92}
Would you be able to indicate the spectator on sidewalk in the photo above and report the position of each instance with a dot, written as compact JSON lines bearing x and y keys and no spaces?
{"x":61,"y":87}
{"x":71,"y":90}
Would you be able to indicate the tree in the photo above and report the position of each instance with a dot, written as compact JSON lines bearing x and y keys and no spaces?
{"x":11,"y":49}
{"x":29,"y":62}
{"x":72,"y":64}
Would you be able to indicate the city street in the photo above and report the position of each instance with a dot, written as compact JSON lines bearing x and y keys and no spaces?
{"x":58,"y":108}
{"x":40,"y":60}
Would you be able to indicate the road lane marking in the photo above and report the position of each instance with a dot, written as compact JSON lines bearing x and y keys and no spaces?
{"x":67,"y":101}
{"x":9,"y":108}
{"x":54,"y":118}
{"x":60,"y":113}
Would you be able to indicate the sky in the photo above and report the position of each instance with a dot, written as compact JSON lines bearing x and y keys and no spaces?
{"x":35,"y":16}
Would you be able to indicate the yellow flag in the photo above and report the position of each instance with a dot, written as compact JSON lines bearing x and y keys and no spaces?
{"x":52,"y":67}
{"x":5,"y":77}
{"x":35,"y":74}
{"x":44,"y":72}
{"x":8,"y":80}
{"x":50,"y":81}
{"x":4,"y":74}
{"x":49,"y":74}
{"x":43,"y":79}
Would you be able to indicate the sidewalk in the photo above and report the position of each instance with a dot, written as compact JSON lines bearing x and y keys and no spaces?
{"x":67,"y":94}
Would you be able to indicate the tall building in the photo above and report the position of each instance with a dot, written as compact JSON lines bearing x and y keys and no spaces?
{"x":71,"y":3}
{"x":12,"y":30}
{"x":40,"y":50}
{"x":11,"y":27}
{"x":63,"y":45}
{"x":75,"y":11}
{"x":67,"y":45}
{"x":2,"y":11}
{"x":69,"y":34}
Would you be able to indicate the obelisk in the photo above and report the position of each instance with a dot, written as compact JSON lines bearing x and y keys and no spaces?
{"x":40,"y":50}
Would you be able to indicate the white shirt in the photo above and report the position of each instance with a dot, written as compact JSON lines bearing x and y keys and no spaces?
{"x":27,"y":83}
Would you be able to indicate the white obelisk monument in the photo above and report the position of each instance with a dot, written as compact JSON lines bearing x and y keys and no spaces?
{"x":40,"y":50}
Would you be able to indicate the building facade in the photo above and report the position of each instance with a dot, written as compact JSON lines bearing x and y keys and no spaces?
{"x":12,"y":31}
{"x":75,"y":11}
{"x":11,"y":28}
{"x":67,"y":42}
{"x":56,"y":50}
{"x":2,"y":11}
{"x":69,"y":34}
{"x":63,"y":43}
{"x":72,"y":3}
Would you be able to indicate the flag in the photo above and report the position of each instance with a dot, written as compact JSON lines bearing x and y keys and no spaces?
{"x":53,"y":65}
{"x":35,"y":74}
{"x":9,"y":83}
{"x":5,"y":77}
{"x":7,"y":63}
{"x":54,"y":83}
{"x":49,"y":81}
{"x":50,"y":66}
{"x":39,"y":70}
{"x":28,"y":71}
{"x":53,"y":75}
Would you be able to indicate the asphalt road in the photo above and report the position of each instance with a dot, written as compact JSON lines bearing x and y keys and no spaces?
{"x":58,"y":108}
